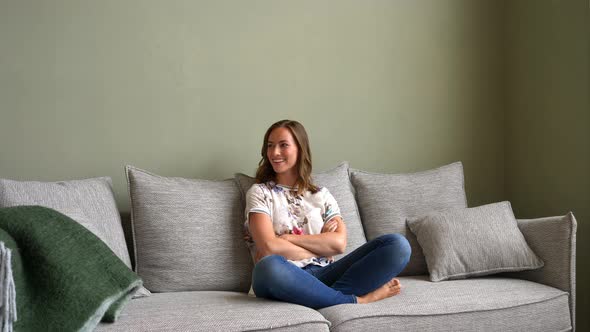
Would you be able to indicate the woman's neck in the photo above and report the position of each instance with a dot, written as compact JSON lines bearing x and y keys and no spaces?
{"x":289,"y":180}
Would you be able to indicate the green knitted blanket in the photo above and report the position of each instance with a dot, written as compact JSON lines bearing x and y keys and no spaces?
{"x":66,"y":278}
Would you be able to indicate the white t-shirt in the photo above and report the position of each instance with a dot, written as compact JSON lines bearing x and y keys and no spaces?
{"x":290,"y":213}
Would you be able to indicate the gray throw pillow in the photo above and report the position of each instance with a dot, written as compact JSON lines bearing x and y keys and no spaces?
{"x":461,"y":243}
{"x":338,"y":183}
{"x":386,"y":200}
{"x":90,"y":202}
{"x":188,"y":233}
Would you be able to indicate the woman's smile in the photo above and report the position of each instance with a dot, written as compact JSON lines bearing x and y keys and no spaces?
{"x":282,"y":152}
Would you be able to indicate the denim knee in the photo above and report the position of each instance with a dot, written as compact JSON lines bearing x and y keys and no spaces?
{"x":267,"y":272}
{"x":267,"y":266}
{"x":399,"y":244}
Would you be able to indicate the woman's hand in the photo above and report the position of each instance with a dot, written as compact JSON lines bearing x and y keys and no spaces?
{"x":290,"y":237}
{"x":331,"y":241}
{"x":287,"y":236}
{"x":330,"y":226}
{"x":267,"y":243}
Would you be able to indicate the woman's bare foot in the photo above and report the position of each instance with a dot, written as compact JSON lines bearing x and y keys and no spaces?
{"x":389,"y":289}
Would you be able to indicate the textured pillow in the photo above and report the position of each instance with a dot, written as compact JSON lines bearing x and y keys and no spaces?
{"x":90,"y":202}
{"x":188,"y":233}
{"x":338,"y":183}
{"x":461,"y":243}
{"x":386,"y":200}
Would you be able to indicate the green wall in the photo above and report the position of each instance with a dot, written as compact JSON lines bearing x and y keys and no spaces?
{"x":187,"y":88}
{"x":548,"y":119}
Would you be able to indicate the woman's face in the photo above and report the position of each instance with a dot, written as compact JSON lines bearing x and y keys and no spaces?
{"x":282,"y":151}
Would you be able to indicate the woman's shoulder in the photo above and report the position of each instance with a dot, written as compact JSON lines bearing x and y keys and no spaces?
{"x":260,"y":188}
{"x":321,"y":192}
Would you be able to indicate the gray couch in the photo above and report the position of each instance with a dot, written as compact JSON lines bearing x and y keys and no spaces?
{"x":185,"y":239}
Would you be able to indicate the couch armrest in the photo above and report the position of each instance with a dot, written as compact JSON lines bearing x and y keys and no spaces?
{"x":553,"y":239}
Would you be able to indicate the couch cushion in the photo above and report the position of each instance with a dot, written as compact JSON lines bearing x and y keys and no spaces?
{"x":214,"y":311}
{"x":188,"y":233}
{"x":462,"y":243}
{"x":386,"y":200}
{"x":90,"y":202}
{"x":338,"y":183}
{"x":478,"y":304}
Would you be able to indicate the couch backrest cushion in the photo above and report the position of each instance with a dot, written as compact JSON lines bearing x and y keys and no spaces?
{"x":338,"y":183}
{"x":90,"y":202}
{"x":386,"y":200}
{"x":188,"y":233}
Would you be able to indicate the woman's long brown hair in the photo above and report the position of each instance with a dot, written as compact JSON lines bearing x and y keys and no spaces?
{"x":266,"y":173}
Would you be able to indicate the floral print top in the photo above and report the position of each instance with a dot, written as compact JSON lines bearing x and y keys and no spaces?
{"x":291,"y":213}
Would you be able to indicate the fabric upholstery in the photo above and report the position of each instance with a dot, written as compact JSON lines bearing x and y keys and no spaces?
{"x":559,"y":257}
{"x":188,"y":233}
{"x":386,"y":200}
{"x":337,"y":180}
{"x":214,"y":311}
{"x":338,"y":183}
{"x":462,"y":243}
{"x":90,"y":202}
{"x":478,"y":304}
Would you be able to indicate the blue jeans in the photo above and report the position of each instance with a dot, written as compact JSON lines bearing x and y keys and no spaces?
{"x":356,"y":274}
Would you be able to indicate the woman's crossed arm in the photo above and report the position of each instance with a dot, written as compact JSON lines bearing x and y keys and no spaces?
{"x":332,"y":240}
{"x":267,"y":243}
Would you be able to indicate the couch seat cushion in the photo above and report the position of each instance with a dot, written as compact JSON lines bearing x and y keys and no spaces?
{"x":213,"y":311}
{"x":479,"y":304}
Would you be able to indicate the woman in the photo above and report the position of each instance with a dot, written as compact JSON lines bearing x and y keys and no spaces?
{"x":294,"y":228}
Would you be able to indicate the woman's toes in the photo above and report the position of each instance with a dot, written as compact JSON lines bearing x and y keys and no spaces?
{"x":394,"y":283}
